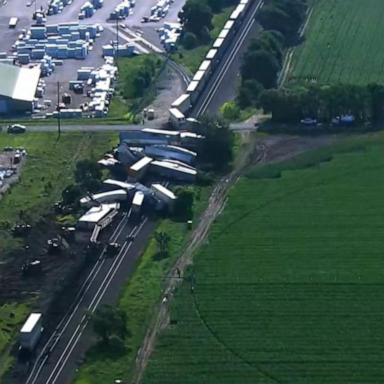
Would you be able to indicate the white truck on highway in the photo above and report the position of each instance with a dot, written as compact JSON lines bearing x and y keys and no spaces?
{"x":137,"y":203}
{"x":13,"y":22}
{"x":31,"y":331}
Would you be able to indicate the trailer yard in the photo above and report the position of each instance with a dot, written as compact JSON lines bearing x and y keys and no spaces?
{"x":31,"y":42}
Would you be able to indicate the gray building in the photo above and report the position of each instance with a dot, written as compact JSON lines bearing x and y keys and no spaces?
{"x":17,"y":88}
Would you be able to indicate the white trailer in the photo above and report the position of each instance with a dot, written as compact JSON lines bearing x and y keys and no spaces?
{"x":137,"y":203}
{"x":176,"y":118}
{"x":31,"y":331}
{"x":182,"y":103}
{"x":164,"y":194}
{"x":13,"y":22}
{"x":138,"y":169}
{"x":104,"y":197}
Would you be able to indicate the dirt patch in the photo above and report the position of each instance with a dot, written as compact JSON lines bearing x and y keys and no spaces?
{"x":168,"y":88}
{"x":281,"y":147}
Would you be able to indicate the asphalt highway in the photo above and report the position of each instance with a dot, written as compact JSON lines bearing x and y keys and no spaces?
{"x":118,"y":127}
{"x":59,"y":357}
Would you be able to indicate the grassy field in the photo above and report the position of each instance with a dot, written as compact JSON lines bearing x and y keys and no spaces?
{"x":47,"y":171}
{"x":289,"y":287}
{"x":138,"y":299}
{"x":343,"y":44}
{"x":134,"y":93}
{"x":192,"y":58}
{"x":12,"y":315}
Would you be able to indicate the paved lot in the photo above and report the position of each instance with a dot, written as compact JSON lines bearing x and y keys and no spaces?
{"x":69,"y":72}
{"x":23,"y":9}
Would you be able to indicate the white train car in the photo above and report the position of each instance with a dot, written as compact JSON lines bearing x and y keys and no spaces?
{"x":171,"y":152}
{"x":206,"y":66}
{"x":176,"y":118}
{"x":201,"y":78}
{"x":238,"y":14}
{"x":104,"y":197}
{"x":212,"y":59}
{"x":183,"y":103}
{"x":192,"y":90}
{"x":164,"y":194}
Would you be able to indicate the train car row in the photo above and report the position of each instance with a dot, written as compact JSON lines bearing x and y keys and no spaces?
{"x":182,"y":106}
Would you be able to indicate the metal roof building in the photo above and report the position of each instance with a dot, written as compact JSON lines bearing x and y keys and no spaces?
{"x":17,"y":88}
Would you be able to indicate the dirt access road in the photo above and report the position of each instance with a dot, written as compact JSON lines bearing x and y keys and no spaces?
{"x":258,"y":151}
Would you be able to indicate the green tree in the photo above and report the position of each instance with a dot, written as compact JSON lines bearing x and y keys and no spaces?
{"x":230,"y":110}
{"x":195,"y":16}
{"x":87,"y":169}
{"x":183,"y":207}
{"x":189,"y":40}
{"x":270,"y":41}
{"x":71,"y":194}
{"x":162,"y":240}
{"x":216,"y":148}
{"x":249,"y":93}
{"x":109,"y":320}
{"x":262,"y":66}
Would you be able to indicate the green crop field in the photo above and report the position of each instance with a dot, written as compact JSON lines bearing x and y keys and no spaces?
{"x":290,"y":286}
{"x":343,"y":43}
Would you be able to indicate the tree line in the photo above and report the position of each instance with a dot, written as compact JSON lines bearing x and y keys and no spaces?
{"x":196,"y":17}
{"x":263,"y":60}
{"x":325,"y":103}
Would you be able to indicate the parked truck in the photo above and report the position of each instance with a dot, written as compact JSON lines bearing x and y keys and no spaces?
{"x":31,"y":331}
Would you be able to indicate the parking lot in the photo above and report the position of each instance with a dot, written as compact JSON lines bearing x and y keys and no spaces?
{"x":24,"y":9}
{"x":11,"y":160}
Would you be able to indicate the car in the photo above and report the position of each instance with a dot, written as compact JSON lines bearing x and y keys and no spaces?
{"x":145,"y":19}
{"x":130,"y":238}
{"x":16,"y":128}
{"x":112,"y":249}
{"x":308,"y":121}
{"x":154,"y":19}
{"x":77,"y":88}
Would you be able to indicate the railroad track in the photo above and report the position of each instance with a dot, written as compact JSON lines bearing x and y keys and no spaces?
{"x":226,"y":62}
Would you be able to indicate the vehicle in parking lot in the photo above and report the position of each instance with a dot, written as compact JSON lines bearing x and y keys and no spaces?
{"x":16,"y":128}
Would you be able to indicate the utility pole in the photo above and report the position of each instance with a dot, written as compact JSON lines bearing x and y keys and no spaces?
{"x":58,"y":112}
{"x":117,"y":39}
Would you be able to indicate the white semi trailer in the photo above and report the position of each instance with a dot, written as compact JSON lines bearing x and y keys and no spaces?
{"x":31,"y":331}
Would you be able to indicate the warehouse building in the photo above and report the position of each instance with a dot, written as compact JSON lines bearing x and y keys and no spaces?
{"x":17,"y":88}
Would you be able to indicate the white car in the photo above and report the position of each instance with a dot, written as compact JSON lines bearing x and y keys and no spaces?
{"x":16,"y":128}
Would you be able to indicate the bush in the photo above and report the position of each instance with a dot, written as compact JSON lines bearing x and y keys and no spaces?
{"x":189,"y":40}
{"x":230,"y":111}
